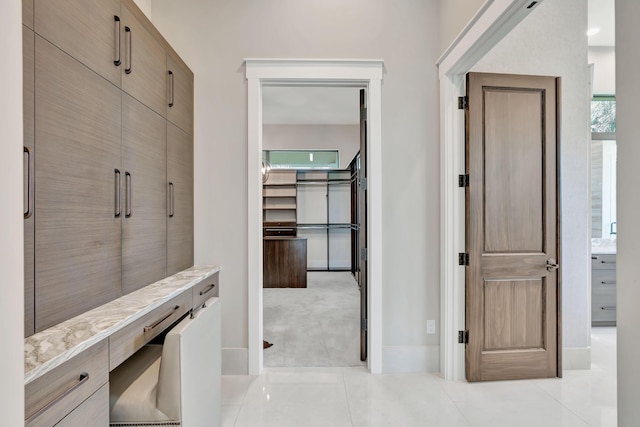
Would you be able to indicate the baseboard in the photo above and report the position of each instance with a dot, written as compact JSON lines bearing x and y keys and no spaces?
{"x":235,"y":361}
{"x":576,"y":358}
{"x":411,"y":359}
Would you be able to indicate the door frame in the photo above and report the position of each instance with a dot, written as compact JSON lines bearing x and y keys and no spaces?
{"x":494,"y":20}
{"x":367,"y":73}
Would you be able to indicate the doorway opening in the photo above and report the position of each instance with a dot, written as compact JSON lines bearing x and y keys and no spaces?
{"x":261,"y":73}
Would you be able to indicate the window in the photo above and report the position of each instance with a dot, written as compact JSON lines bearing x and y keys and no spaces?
{"x":603,"y":114}
{"x":302,"y":159}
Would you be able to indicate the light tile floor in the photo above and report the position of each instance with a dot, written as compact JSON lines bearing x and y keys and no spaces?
{"x":351,"y":397}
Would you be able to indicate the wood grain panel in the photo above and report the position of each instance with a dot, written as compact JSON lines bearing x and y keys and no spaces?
{"x":78,"y":125}
{"x":84,"y":29}
{"x":209,"y":287}
{"x":181,"y":87}
{"x":147,"y":81}
{"x":180,"y":225}
{"x":144,"y":226}
{"x":513,"y":182}
{"x":94,"y":411}
{"x":28,"y":94}
{"x":285,"y":262}
{"x":513,"y":316}
{"x":27,"y":13}
{"x":38,"y":393}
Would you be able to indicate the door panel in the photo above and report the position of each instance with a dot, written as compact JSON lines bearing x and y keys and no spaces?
{"x":180,"y":105}
{"x":77,"y":242}
{"x":511,"y":295}
{"x":362,"y":221}
{"x":144,"y":226}
{"x":28,"y":59}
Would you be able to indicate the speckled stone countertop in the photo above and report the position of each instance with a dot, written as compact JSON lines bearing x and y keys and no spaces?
{"x":52,"y":347}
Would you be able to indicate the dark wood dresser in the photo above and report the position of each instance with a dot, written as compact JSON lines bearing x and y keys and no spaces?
{"x":285,"y":262}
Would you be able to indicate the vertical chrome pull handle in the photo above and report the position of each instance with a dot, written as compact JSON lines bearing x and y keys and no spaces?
{"x":129,"y":184}
{"x":171,"y":200}
{"x":171,"y":89}
{"x":129,"y":42}
{"x":118,"y":195}
{"x":116,"y":48}
{"x":29,"y":209}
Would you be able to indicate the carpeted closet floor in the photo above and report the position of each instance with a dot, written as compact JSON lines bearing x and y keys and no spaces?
{"x":316,"y":326}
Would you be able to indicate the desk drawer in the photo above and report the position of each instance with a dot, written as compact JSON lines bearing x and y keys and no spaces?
{"x":603,"y":261}
{"x":52,"y":396}
{"x":209,"y":287}
{"x":131,"y":338}
{"x":92,"y":412}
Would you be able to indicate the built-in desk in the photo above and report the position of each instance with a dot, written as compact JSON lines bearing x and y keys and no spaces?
{"x":285,"y":262}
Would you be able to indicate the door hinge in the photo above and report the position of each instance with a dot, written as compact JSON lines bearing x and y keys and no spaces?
{"x":463,"y":337}
{"x":463,"y":258}
{"x":363,"y":324}
{"x":363,"y":254}
{"x":363,"y":183}
{"x":463,"y":102}
{"x":463,"y":181}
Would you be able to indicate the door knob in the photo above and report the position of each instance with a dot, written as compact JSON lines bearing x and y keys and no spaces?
{"x":552,"y":264}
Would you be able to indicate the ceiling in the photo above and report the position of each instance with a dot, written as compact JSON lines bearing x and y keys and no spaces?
{"x":310,"y":105}
{"x":602,"y":16}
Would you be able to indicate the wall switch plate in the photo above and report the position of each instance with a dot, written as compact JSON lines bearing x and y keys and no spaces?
{"x":431,"y":327}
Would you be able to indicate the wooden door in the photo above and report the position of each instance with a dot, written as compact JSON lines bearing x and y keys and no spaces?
{"x":144,"y":63}
{"x":88,"y":30}
{"x":77,"y":233}
{"x":144,"y":224}
{"x":512,"y":298}
{"x":180,"y":94}
{"x":362,"y":221}
{"x":179,"y":200}
{"x":28,"y":94}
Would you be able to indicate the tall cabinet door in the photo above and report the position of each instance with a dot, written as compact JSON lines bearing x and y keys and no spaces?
{"x":28,"y":46}
{"x":179,"y":200}
{"x":145,"y":64}
{"x":78,"y":229}
{"x":144,"y":225}
{"x":180,"y":94}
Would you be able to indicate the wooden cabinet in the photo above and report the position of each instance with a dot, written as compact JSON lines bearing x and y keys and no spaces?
{"x":179,"y":200}
{"x":144,"y":62}
{"x":28,"y":58}
{"x":179,"y":94}
{"x":285,"y":262}
{"x":279,"y":197}
{"x":208,"y":288}
{"x":77,"y":240}
{"x":27,"y":13}
{"x":86,"y":30}
{"x":94,"y":411}
{"x":144,"y":225}
{"x":603,"y":289}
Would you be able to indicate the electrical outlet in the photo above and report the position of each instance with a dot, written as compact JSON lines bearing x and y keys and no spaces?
{"x":431,"y":327}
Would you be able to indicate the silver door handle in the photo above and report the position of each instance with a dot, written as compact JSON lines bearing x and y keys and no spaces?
{"x":118,"y":194}
{"x":116,"y":53}
{"x":171,"y":200}
{"x":29,"y":211}
{"x":552,"y":264}
{"x":171,"y":89}
{"x":129,"y":42}
{"x":129,"y":184}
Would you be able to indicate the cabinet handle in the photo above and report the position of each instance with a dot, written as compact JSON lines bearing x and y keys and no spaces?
{"x":116,"y":49}
{"x":595,"y":257}
{"x":129,"y":184}
{"x":29,"y":211}
{"x":608,"y":308}
{"x":171,"y":88}
{"x":607,"y":262}
{"x":608,"y":282}
{"x":171,"y":200}
{"x":84,"y":377}
{"x":162,"y":319}
{"x":209,"y":288}
{"x":129,"y":42}
{"x":118,"y":195}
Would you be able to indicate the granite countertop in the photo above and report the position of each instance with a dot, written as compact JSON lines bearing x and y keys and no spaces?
{"x":603,"y":246}
{"x":53,"y":346}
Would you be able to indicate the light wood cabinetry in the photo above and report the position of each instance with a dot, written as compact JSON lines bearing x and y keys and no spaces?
{"x":180,"y":94}
{"x":179,"y":200}
{"x":28,"y":57}
{"x":144,"y":163}
{"x":94,"y":411}
{"x":86,"y":30}
{"x":208,"y":288}
{"x":27,"y":13}
{"x":49,"y":398}
{"x":279,"y":197}
{"x":78,"y":133}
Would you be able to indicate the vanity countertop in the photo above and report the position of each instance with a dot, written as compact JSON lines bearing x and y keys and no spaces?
{"x":50,"y":348}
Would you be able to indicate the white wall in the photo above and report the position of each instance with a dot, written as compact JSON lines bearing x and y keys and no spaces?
{"x":604,"y":60}
{"x":11,"y":237}
{"x":214,"y":37}
{"x":454,"y":16}
{"x":552,"y":41}
{"x":628,"y":287}
{"x":145,"y":6}
{"x":344,"y":138}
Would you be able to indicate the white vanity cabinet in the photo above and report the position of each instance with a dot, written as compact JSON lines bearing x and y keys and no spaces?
{"x":603,"y":289}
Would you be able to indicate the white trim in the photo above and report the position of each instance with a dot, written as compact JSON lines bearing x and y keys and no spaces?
{"x":369,"y":74}
{"x":494,"y":20}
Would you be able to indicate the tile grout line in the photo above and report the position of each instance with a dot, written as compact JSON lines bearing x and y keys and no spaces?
{"x":346,"y":395}
{"x":244,"y":397}
{"x":455,"y":404}
{"x":562,"y":403}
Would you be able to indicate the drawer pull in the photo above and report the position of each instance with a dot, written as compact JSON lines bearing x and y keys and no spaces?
{"x":594,"y":257}
{"x":608,"y":308}
{"x":608,"y":282}
{"x":165,"y":317}
{"x":209,"y":288}
{"x":84,"y":377}
{"x":607,"y":262}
